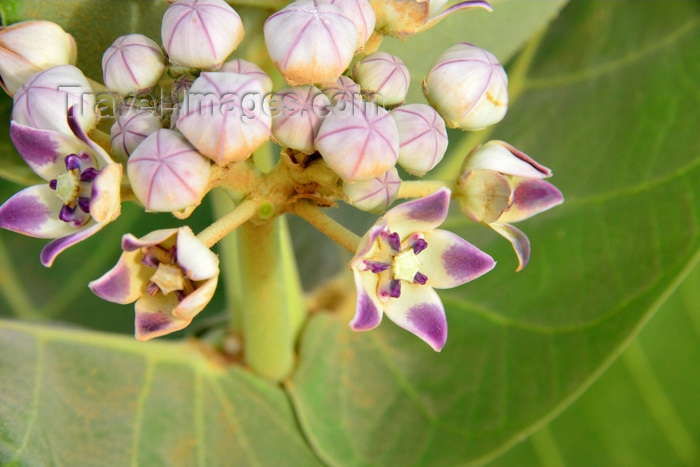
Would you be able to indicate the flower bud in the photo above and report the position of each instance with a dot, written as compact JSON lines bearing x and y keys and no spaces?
{"x":468,"y":87}
{"x":384,"y":76}
{"x":374,"y":195}
{"x":244,"y":67}
{"x":422,"y":137}
{"x":361,"y":14}
{"x":167,"y":173}
{"x":201,"y":33}
{"x":297,"y":114}
{"x":360,"y":142}
{"x":132,"y":63}
{"x":225,"y":116}
{"x":130,"y":129}
{"x":30,"y":47}
{"x":44,"y":99}
{"x":344,"y":88}
{"x":310,"y":42}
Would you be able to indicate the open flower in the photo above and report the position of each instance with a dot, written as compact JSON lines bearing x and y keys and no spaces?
{"x":170,"y":275}
{"x":500,"y":184}
{"x":402,"y":258}
{"x":82,"y":193}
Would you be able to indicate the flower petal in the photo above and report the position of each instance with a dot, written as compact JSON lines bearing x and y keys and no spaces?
{"x":105,"y":203}
{"x":447,"y":11}
{"x":79,"y":132}
{"x":419,"y":215}
{"x":368,"y":312}
{"x":368,"y":242}
{"x":195,"y":302}
{"x":44,"y":150}
{"x":154,"y":318}
{"x":484,"y":194}
{"x":55,"y":247}
{"x":530,"y":197}
{"x":34,"y":212}
{"x":125,"y":282}
{"x":197,"y":261}
{"x":506,"y":159}
{"x":420,"y":311}
{"x":520,"y":242}
{"x":449,"y":260}
{"x":131,"y":243}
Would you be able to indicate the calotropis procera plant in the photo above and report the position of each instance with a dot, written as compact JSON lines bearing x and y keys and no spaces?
{"x":183,"y":121}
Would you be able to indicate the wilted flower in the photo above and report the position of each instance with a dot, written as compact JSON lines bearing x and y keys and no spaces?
{"x":359,"y":141}
{"x":132,"y":63}
{"x":499,"y":185}
{"x":168,"y":174}
{"x":468,"y":87}
{"x":402,"y":258}
{"x":225,"y":116}
{"x":297,"y":114}
{"x":422,"y":137}
{"x":201,"y":33}
{"x":170,"y":275}
{"x":131,"y":128}
{"x":30,"y":47}
{"x":82,"y":194}
{"x":384,"y":76}
{"x":375,"y":195}
{"x":310,"y":42}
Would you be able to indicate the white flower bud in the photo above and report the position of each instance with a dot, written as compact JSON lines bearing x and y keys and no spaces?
{"x":30,"y":47}
{"x":244,"y":67}
{"x":422,"y":137}
{"x":201,"y":33}
{"x":384,"y":76}
{"x":225,"y":116}
{"x":359,"y":141}
{"x":361,"y":14}
{"x":310,"y":42}
{"x":44,"y":99}
{"x":132,"y":63}
{"x":374,"y":195}
{"x":166,"y":173}
{"x":297,"y":114}
{"x":344,"y":88}
{"x":131,"y":128}
{"x":468,"y":87}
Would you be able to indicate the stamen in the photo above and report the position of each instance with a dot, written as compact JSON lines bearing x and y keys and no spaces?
{"x":376,"y":266}
{"x":73,"y":216}
{"x":420,"y":278}
{"x":394,"y":241}
{"x":84,"y":204}
{"x":395,"y":288}
{"x":152,"y":289}
{"x":53,"y":184}
{"x":72,"y":162}
{"x":419,"y":245}
{"x":88,"y":174}
{"x":150,"y":261}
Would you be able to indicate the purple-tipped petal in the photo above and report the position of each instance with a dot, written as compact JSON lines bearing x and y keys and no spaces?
{"x":530,"y":197}
{"x":420,"y":311}
{"x":420,"y":215}
{"x":448,"y":11}
{"x":44,"y":150}
{"x":73,"y":123}
{"x":368,"y":313}
{"x":131,"y":243}
{"x":154,"y":316}
{"x":450,"y":260}
{"x":34,"y":212}
{"x":195,"y":302}
{"x":125,"y":282}
{"x":55,"y":247}
{"x":520,"y":242}
{"x":367,"y":243}
{"x":506,"y":159}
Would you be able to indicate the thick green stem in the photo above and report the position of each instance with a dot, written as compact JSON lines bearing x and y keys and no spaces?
{"x":270,"y":296}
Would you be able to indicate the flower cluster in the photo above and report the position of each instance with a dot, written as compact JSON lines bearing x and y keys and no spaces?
{"x":342,"y":119}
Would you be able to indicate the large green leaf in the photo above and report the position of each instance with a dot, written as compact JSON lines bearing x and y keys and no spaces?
{"x":610,"y":103}
{"x":82,"y":399}
{"x":643,"y":411}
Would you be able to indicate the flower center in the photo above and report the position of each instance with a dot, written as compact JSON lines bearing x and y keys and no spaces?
{"x":169,"y":276}
{"x":74,"y":188}
{"x":405,"y":265}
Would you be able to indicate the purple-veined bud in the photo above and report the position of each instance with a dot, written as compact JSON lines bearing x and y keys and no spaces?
{"x":361,"y":14}
{"x":359,"y":141}
{"x":201,"y":33}
{"x":30,"y":47}
{"x":375,"y":195}
{"x":384,"y":76}
{"x":310,"y":42}
{"x":345,"y":89}
{"x":422,"y":137}
{"x":404,"y":18}
{"x":468,"y":86}
{"x":131,"y":128}
{"x":167,"y":173}
{"x":132,"y":63}
{"x":226,"y":116}
{"x":244,"y":67}
{"x":297,"y":114}
{"x":44,"y":99}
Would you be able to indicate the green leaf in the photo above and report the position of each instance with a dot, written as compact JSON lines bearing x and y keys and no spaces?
{"x":75,"y":398}
{"x":610,"y":104}
{"x":643,"y":410}
{"x":502,"y":32}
